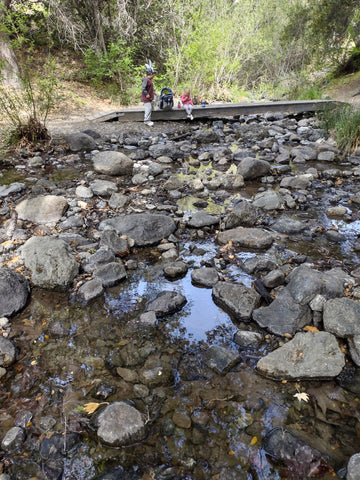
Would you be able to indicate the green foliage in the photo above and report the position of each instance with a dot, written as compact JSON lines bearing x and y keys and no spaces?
{"x":25,"y":110}
{"x":114,"y":67}
{"x":344,"y":123}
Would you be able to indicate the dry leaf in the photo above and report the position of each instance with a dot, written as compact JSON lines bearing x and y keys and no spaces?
{"x":302,"y":397}
{"x":253,"y":441}
{"x":288,"y":335}
{"x":91,"y":407}
{"x":310,"y":328}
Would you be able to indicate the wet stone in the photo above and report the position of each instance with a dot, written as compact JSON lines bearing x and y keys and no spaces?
{"x":120,"y":424}
{"x":247,"y":339}
{"x":148,"y":319}
{"x":166,"y":303}
{"x":205,"y":277}
{"x":127,"y":374}
{"x":181,"y":419}
{"x":13,"y":439}
{"x":175,"y":270}
{"x":220,"y":359}
{"x":110,"y":274}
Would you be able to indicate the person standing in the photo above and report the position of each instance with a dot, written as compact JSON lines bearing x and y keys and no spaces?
{"x":147,"y":92}
{"x":187,"y":102}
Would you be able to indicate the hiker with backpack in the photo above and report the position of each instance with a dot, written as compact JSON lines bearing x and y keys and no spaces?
{"x":147,"y":92}
{"x":187,"y":102}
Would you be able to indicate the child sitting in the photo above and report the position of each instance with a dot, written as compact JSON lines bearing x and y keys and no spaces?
{"x":187,"y":102}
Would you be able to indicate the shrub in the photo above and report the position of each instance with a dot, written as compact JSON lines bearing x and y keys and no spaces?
{"x":25,"y":110}
{"x":344,"y":123}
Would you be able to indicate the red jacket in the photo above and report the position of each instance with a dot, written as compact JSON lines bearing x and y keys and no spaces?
{"x":147,"y":88}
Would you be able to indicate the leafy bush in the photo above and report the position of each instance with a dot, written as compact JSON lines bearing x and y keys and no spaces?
{"x":344,"y":123}
{"x":25,"y":110}
{"x":115,"y":65}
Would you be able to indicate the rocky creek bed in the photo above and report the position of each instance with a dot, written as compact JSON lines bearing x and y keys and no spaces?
{"x":181,"y":303}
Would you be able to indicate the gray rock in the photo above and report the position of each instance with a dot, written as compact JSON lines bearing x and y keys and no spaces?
{"x":269,"y":200}
{"x":251,"y":168}
{"x":353,"y":467}
{"x":118,"y":200}
{"x":274,"y":279}
{"x":100,"y":257}
{"x":145,"y":229}
{"x":165,"y":150}
{"x":247,"y":339}
{"x":7,"y":352}
{"x":283,"y":315}
{"x":354,"y":346}
{"x":300,"y":182}
{"x":16,"y":187}
{"x":14,"y":292}
{"x":90,"y":290}
{"x":236,"y":299}
{"x":75,"y":221}
{"x":205,"y":277}
{"x":50,"y":261}
{"x":112,"y":163}
{"x":80,"y":141}
{"x":311,"y":355}
{"x":243,"y":214}
{"x":341,"y":317}
{"x":103,"y":188}
{"x":175,"y":269}
{"x":83,"y":192}
{"x":120,"y":424}
{"x":207,"y":136}
{"x":111,"y":240}
{"x":251,"y":238}
{"x":13,"y":440}
{"x":110,"y":274}
{"x":289,"y":226}
{"x":148,"y":319}
{"x":220,"y":359}
{"x":166,"y":303}
{"x":47,"y":209}
{"x":258,"y":264}
{"x":203,"y":219}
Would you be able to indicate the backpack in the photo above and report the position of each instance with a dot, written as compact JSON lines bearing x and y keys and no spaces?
{"x":166,"y":99}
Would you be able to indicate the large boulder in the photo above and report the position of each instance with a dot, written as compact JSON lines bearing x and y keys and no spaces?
{"x":50,"y":261}
{"x":251,"y":238}
{"x":47,"y":209}
{"x":14,"y":292}
{"x":145,"y":229}
{"x":310,"y":355}
{"x":112,"y":163}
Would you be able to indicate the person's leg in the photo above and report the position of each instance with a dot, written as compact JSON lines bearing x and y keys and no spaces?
{"x":187,"y":109}
{"x":147,"y":112}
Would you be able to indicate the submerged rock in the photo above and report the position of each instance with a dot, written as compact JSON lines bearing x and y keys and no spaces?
{"x":120,"y":424}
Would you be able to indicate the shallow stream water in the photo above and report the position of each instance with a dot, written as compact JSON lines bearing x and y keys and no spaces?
{"x":201,"y":425}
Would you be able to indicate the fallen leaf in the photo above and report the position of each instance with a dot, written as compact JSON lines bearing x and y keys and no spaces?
{"x":288,"y":335}
{"x":310,"y":328}
{"x":91,"y":407}
{"x":253,"y":441}
{"x":302,"y":396}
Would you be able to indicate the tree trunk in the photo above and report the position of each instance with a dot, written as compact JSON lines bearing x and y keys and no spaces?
{"x":9,"y":70}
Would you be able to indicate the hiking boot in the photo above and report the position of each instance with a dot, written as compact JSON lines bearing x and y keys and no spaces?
{"x":149,"y":124}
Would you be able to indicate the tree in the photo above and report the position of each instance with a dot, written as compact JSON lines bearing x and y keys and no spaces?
{"x":8,"y":64}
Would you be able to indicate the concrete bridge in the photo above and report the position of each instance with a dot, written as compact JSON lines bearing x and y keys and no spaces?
{"x":217,"y":110}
